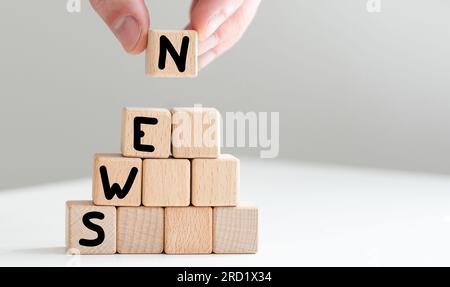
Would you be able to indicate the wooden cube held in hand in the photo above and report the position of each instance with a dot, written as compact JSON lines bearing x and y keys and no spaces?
{"x":235,"y":229}
{"x":195,"y":132}
{"x":172,"y":53}
{"x":140,"y":230}
{"x":90,"y":229}
{"x":215,"y":182}
{"x":188,"y":230}
{"x":146,"y":132}
{"x":166,"y":182}
{"x":117,"y":180}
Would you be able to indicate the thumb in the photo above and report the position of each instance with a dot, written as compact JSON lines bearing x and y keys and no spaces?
{"x":128,"y":20}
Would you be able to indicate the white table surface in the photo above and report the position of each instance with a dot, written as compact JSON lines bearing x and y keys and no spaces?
{"x":311,"y":215}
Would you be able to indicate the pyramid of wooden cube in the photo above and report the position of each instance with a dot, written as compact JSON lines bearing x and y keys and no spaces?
{"x":170,"y":189}
{"x":146,"y":201}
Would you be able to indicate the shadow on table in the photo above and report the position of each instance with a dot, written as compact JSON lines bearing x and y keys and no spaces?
{"x":42,"y":251}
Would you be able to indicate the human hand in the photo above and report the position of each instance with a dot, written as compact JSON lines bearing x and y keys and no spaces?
{"x":220,"y":23}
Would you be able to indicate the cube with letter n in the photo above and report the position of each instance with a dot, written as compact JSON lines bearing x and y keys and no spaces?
{"x":172,"y":53}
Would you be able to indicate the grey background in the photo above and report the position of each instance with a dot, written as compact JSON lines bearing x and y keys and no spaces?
{"x":351,"y":87}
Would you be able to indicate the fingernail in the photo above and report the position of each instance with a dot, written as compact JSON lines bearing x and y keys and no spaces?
{"x":213,"y":23}
{"x":205,"y":59}
{"x":127,"y":31}
{"x":208,"y":44}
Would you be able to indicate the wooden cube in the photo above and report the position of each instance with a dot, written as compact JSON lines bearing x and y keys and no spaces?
{"x":195,"y":132}
{"x":188,"y":230}
{"x":117,"y":180}
{"x":146,"y":132}
{"x":215,"y":182}
{"x":235,"y":229}
{"x":140,"y":229}
{"x":90,"y":229}
{"x":172,"y":53}
{"x":166,"y":182}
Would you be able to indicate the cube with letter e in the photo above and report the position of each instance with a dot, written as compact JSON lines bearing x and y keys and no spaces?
{"x":146,"y":133}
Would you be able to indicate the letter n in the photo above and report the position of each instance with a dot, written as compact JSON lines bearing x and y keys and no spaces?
{"x":180,"y":59}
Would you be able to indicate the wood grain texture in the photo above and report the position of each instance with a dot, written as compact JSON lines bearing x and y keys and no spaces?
{"x":195,"y":132}
{"x":235,"y":229}
{"x":76,"y":230}
{"x":171,"y":69}
{"x":140,"y":229}
{"x":156,"y":135}
{"x":118,"y":169}
{"x":188,"y":230}
{"x":215,"y":182}
{"x":166,"y":182}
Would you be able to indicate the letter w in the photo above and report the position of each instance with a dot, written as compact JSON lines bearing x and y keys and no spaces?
{"x":111,"y":190}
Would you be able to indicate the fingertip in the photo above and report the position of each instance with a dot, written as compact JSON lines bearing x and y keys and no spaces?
{"x":207,"y":16}
{"x":198,"y":18}
{"x":128,"y":20}
{"x":206,"y":59}
{"x":141,"y":45}
{"x":197,"y":27}
{"x":207,"y":44}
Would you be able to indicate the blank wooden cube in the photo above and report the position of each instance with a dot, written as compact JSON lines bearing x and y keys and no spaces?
{"x":140,"y":229}
{"x":215,"y":182}
{"x":188,"y":230}
{"x":90,"y":229}
{"x":235,"y":229}
{"x":117,"y":180}
{"x":166,"y":182}
{"x":195,"y":132}
{"x":172,"y":53}
{"x":146,"y":132}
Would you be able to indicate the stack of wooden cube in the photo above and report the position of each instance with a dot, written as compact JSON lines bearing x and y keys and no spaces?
{"x":170,"y":190}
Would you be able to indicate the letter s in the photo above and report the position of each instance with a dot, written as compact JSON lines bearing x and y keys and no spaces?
{"x":94,"y":227}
